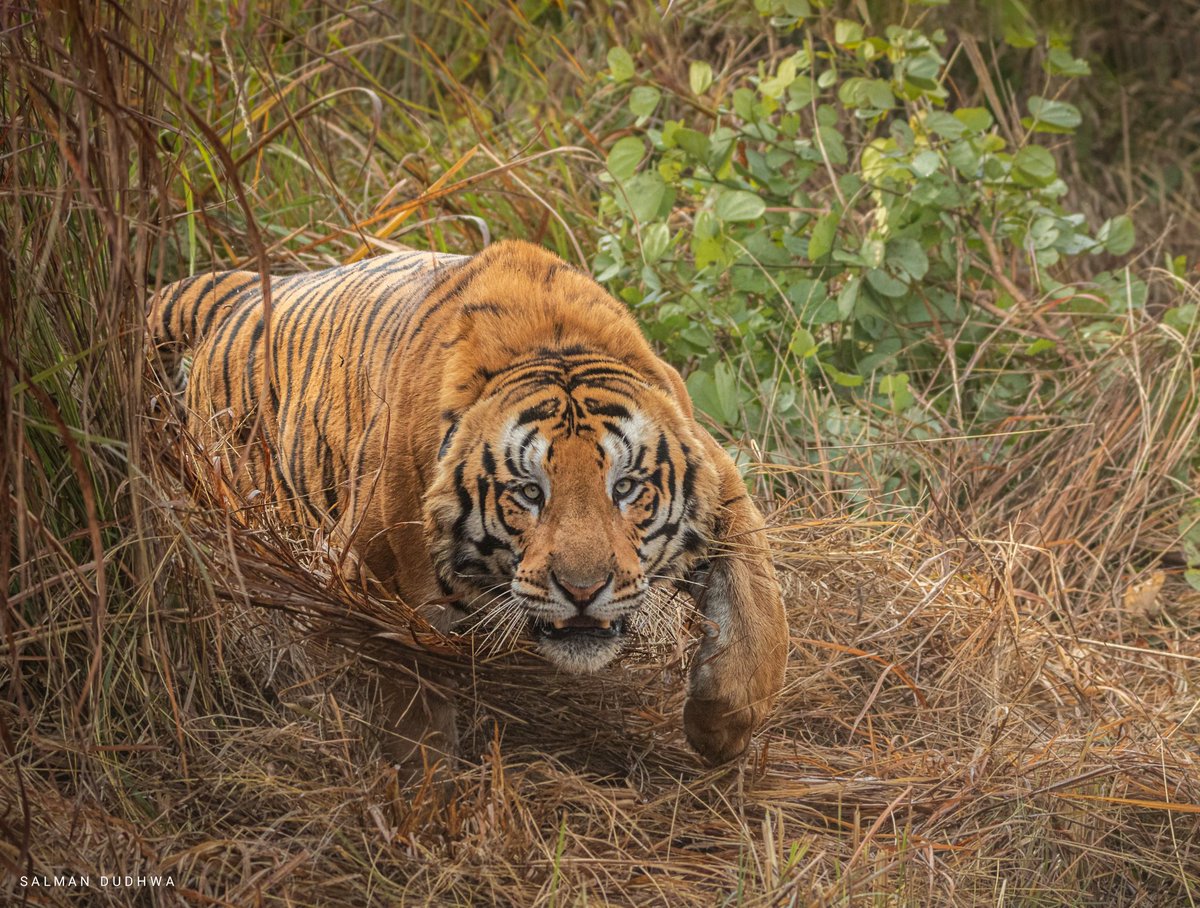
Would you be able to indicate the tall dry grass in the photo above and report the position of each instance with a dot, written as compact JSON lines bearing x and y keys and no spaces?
{"x":992,"y":695}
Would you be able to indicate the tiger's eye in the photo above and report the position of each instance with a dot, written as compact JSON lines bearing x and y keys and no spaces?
{"x":531,"y":491}
{"x":623,"y":487}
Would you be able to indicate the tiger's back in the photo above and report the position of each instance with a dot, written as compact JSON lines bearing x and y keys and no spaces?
{"x":312,"y":379}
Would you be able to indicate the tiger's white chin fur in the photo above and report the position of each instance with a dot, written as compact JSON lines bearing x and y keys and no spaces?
{"x":582,"y":655}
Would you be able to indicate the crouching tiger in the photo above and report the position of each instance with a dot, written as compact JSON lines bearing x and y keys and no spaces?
{"x":469,"y":424}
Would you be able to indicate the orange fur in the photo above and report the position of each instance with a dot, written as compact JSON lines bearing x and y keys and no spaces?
{"x":469,"y":423}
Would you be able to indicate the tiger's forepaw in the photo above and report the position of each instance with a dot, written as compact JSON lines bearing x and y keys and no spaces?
{"x":717,"y":728}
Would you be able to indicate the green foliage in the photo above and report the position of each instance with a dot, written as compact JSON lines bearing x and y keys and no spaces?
{"x":831,"y":220}
{"x":1189,"y":533}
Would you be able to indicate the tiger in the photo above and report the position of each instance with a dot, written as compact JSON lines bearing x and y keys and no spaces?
{"x":494,"y":422}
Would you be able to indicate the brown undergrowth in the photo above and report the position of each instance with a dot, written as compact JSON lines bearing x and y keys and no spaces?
{"x":945,"y":737}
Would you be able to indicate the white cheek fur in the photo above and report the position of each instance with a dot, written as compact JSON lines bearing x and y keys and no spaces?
{"x":531,"y":458}
{"x":636,"y":429}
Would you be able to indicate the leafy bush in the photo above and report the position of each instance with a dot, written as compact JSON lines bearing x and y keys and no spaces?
{"x":830,"y":219}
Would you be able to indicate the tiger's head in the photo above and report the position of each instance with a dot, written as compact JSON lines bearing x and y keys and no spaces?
{"x":571,"y":484}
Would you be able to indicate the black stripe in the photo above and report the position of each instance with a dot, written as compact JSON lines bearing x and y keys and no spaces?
{"x":252,"y":358}
{"x":598,"y":408}
{"x":446,"y":439}
{"x":356,"y":369}
{"x":225,"y":297}
{"x":546,"y":409}
{"x":222,"y":345}
{"x":454,"y":286}
{"x":297,"y":314}
{"x":181,"y":288}
{"x":492,"y":308}
{"x":327,"y":476}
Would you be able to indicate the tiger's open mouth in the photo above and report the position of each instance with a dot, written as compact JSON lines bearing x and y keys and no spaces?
{"x":579,"y":626}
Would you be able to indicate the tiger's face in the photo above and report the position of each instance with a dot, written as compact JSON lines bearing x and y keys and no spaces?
{"x":561,"y":496}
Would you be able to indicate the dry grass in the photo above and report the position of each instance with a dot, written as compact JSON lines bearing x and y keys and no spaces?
{"x":992,"y":696}
{"x":944,"y":738}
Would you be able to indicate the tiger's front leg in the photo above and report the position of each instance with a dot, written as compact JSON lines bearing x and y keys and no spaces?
{"x":419,"y":730}
{"x":739,"y":668}
{"x":415,"y":715}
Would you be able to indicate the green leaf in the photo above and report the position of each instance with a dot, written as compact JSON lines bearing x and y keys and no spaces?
{"x":965,"y":158}
{"x":715,"y":393}
{"x":643,"y":100}
{"x":872,"y":94}
{"x":925,"y":163}
{"x":834,"y":145}
{"x":655,"y":242}
{"x":1043,"y":232}
{"x":670,"y":169}
{"x":847,"y":297}
{"x":1117,"y":235}
{"x":845,"y":379}
{"x":727,"y":391}
{"x":923,"y":70}
{"x":777,"y":85}
{"x":907,"y":256}
{"x":739,"y":205}
{"x":803,"y":344}
{"x":1017,"y":24}
{"x":744,"y":104}
{"x":1182,"y":318}
{"x":706,"y":225}
{"x":721,"y":145}
{"x":1059,"y":62}
{"x":1020,"y":37}
{"x":1056,"y":114}
{"x":807,"y":297}
{"x":847,"y":33}
{"x":802,"y":92}
{"x":646,"y":192}
{"x":700,"y":76}
{"x":943,"y":124}
{"x":695,"y":143}
{"x":895,"y":386}
{"x":820,"y":241}
{"x":975,"y":119}
{"x":1034,"y":165}
{"x":707,"y":250}
{"x":620,"y":64}
{"x":872,"y":252}
{"x":884,"y":283}
{"x":624,"y":157}
{"x":879,"y":95}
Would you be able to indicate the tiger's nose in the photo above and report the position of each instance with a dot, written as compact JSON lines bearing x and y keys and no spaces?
{"x":581,"y":595}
